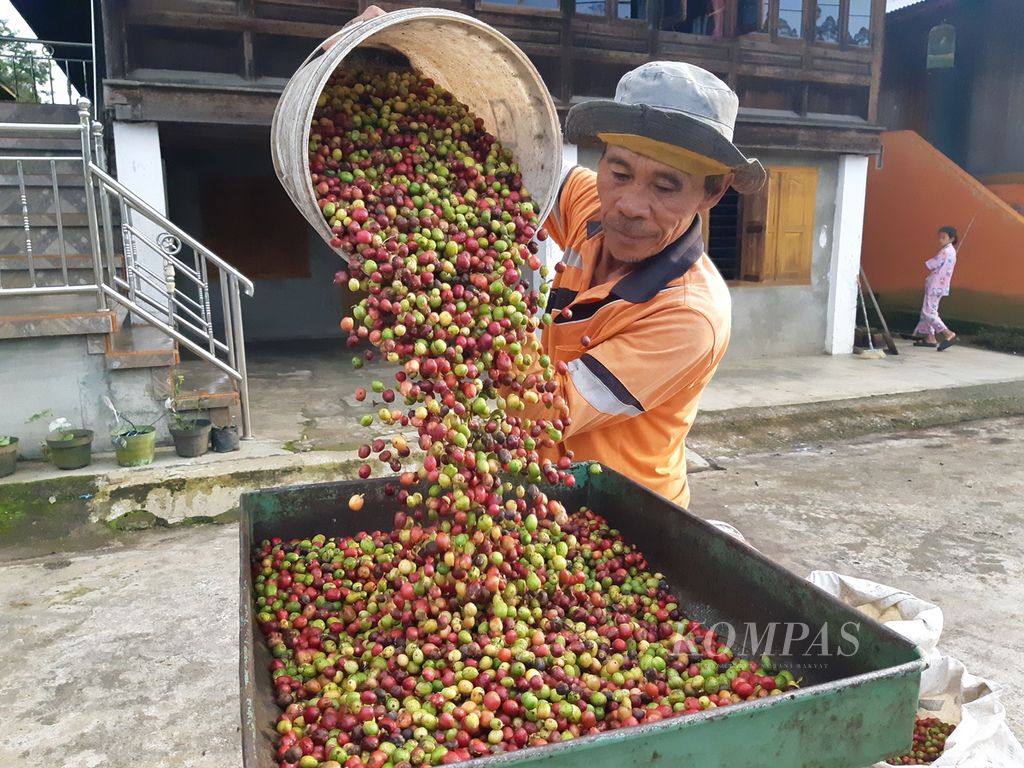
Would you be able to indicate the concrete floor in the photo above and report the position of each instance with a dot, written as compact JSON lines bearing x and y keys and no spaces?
{"x":936,"y":513}
{"x":127,"y":656}
{"x":302,"y":394}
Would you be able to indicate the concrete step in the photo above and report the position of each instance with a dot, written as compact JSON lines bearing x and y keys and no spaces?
{"x":48,"y":219}
{"x":138,"y":345}
{"x":71,"y":200}
{"x":69,"y":175}
{"x":54,"y":324}
{"x":46,"y":278}
{"x":44,"y":261}
{"x":15,"y":306}
{"x":45,"y":239}
{"x":33,"y":145}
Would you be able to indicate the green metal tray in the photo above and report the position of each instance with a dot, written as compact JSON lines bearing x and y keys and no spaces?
{"x":851,"y":711}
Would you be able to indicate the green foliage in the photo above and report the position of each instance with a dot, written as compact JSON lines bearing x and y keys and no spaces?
{"x":24,"y":68}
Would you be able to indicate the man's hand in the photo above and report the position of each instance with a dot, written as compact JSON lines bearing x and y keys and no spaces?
{"x":371,"y":12}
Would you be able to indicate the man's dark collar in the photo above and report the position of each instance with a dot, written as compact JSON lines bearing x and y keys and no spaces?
{"x":653,"y":274}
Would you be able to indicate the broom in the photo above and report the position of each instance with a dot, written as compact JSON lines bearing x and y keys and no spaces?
{"x":870,"y":353}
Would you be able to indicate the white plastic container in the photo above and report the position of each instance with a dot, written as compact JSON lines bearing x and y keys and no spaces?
{"x":480,"y":66}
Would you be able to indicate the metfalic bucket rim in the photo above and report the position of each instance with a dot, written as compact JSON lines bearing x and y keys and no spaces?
{"x":540,"y":162}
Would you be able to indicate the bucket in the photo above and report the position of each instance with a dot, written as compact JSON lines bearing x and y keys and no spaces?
{"x":8,"y":457}
{"x":135,"y":447}
{"x":193,"y":441}
{"x":72,"y":450}
{"x":479,"y":65}
{"x":224,"y":439}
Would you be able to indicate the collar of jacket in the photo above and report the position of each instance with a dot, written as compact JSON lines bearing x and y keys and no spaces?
{"x":656,"y":272}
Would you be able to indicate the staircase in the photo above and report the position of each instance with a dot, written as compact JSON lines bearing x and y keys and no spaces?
{"x":90,"y":272}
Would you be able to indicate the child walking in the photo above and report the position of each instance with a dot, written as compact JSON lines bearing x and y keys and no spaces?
{"x":936,"y":285}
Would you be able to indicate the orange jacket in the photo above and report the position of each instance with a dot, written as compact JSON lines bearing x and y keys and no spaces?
{"x":656,"y":338}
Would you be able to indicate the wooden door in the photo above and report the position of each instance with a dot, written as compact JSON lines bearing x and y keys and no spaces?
{"x":790,"y":215}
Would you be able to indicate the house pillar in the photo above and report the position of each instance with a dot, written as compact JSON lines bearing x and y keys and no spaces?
{"x":844,"y":262}
{"x":140,"y":168}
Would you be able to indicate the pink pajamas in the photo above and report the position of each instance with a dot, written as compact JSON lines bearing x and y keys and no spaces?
{"x":935,"y":287}
{"x":930,"y":322}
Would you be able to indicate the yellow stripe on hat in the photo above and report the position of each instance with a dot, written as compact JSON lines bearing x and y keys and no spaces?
{"x":681,"y":159}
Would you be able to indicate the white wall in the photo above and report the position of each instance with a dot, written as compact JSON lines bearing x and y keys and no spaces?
{"x":844,"y":268}
{"x":140,"y":168}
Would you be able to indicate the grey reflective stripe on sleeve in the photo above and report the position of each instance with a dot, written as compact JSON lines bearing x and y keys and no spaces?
{"x":572,"y":258}
{"x":598,"y":387}
{"x":556,"y":211}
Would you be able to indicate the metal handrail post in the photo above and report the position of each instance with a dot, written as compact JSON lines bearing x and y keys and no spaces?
{"x":85,"y":121}
{"x":239,"y":362}
{"x":108,"y":221}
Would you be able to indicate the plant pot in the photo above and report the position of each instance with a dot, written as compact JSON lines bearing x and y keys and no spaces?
{"x":9,"y":457}
{"x":135,"y":447}
{"x":224,"y":439}
{"x":192,"y":441}
{"x":71,"y":452}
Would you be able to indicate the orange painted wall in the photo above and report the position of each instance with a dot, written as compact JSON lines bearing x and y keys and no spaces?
{"x":918,"y":190}
{"x":1013,"y":194}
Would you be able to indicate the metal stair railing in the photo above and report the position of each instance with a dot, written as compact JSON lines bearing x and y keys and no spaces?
{"x":166,"y":279}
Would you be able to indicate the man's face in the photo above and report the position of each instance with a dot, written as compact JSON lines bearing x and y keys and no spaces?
{"x":645,"y":205}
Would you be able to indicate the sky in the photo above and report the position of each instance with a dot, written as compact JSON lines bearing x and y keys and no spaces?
{"x":18,"y":26}
{"x":895,"y":5}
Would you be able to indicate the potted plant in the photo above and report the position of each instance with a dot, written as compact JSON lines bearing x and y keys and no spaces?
{"x":224,"y":439}
{"x":191,"y":433}
{"x":8,"y":455}
{"x":134,"y":445}
{"x":65,"y":446}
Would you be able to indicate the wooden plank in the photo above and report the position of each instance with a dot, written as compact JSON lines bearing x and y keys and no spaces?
{"x":502,"y":15}
{"x":791,"y":74}
{"x":618,"y":29}
{"x":771,"y":59}
{"x":176,"y":103}
{"x":327,"y":5}
{"x":222,"y":7}
{"x":842,"y":67}
{"x":247,"y":55}
{"x":610,"y":57}
{"x":182,"y":20}
{"x":809,"y":138}
{"x":877,"y":45}
{"x":114,"y":38}
{"x":525,"y":36}
{"x":608,"y":46}
{"x":854,"y":54}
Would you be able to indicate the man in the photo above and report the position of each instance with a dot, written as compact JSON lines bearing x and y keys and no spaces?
{"x":642,"y":317}
{"x":641,"y":313}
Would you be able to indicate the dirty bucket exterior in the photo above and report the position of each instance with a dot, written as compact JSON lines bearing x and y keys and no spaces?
{"x":224,"y":439}
{"x":480,"y":66}
{"x":73,"y":453}
{"x":8,"y":457}
{"x":194,"y":441}
{"x":135,"y":450}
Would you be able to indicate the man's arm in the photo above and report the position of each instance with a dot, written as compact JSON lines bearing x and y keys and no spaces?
{"x":577,"y":197}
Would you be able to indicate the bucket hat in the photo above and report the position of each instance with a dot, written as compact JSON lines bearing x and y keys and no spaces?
{"x":675,"y":113}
